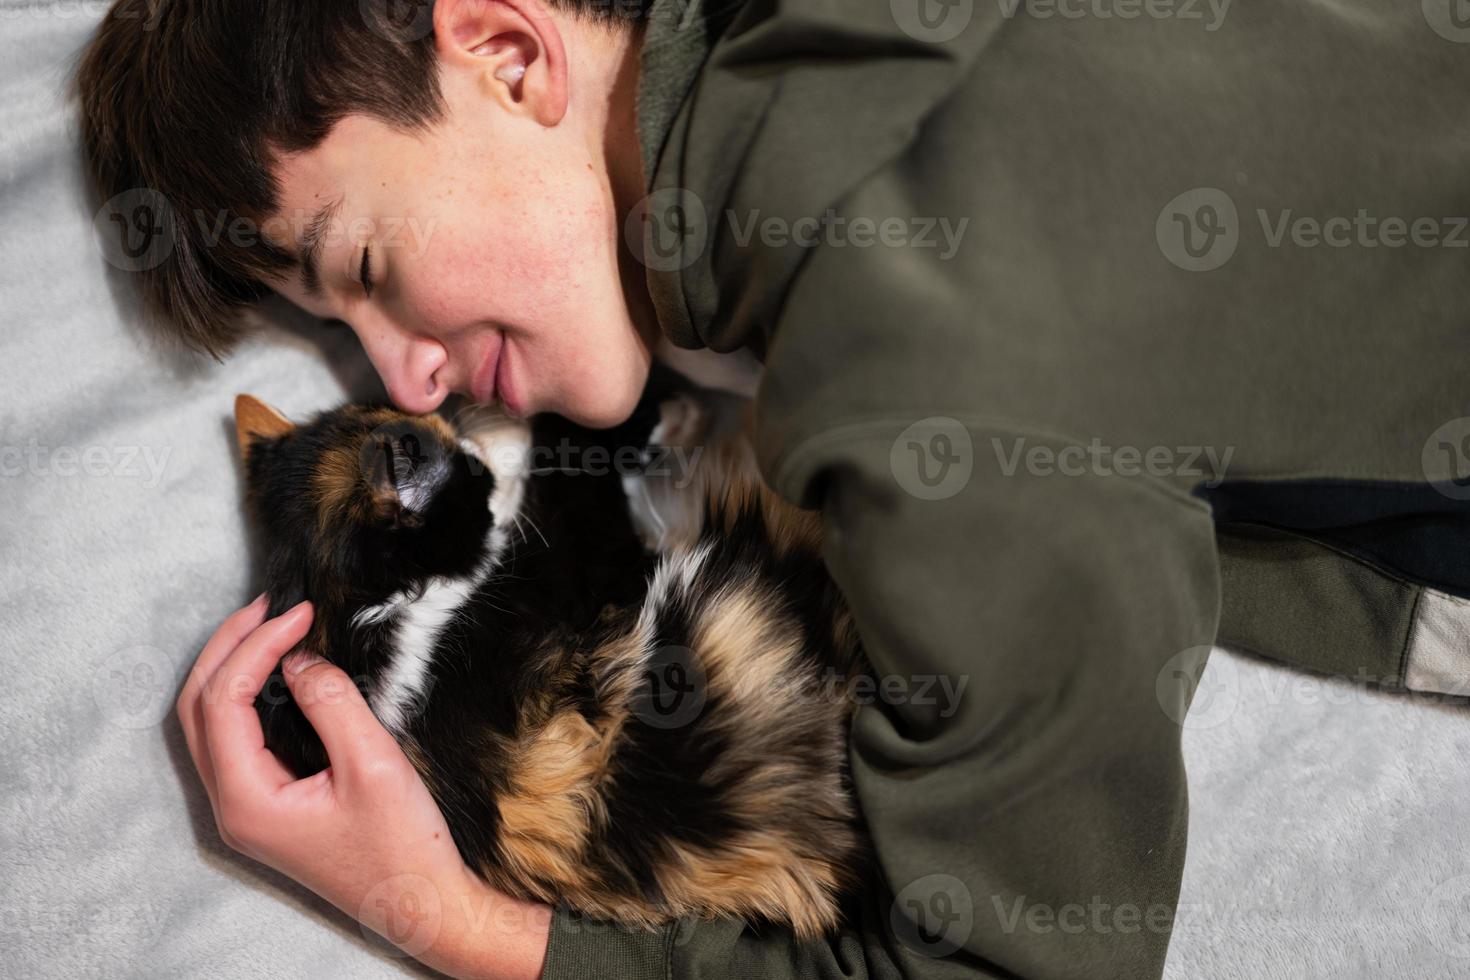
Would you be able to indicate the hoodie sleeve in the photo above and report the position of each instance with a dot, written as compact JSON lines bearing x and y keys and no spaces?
{"x":1034,"y":639}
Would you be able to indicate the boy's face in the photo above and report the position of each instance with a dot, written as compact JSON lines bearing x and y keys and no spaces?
{"x":492,"y":244}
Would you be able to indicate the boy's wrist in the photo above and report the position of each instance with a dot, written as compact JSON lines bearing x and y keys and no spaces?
{"x":484,"y":934}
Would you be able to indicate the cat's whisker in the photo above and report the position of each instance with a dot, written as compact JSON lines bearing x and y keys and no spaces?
{"x":530,"y":520}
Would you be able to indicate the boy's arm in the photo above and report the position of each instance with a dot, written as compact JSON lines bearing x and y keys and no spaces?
{"x":1035,"y":640}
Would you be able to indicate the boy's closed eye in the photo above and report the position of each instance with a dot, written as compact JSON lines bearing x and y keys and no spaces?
{"x":365,"y":271}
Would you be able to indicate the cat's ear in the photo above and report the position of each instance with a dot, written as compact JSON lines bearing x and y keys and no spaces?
{"x":254,"y":419}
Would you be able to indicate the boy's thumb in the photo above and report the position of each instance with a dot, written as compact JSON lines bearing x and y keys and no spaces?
{"x":332,"y":704}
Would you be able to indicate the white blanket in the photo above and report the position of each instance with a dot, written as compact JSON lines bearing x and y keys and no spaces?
{"x":1328,"y":823}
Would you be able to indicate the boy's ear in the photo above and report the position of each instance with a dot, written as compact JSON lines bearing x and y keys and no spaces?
{"x":513,"y":47}
{"x":254,"y":419}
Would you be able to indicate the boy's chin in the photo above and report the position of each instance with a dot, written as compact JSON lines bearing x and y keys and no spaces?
{"x":604,"y":405}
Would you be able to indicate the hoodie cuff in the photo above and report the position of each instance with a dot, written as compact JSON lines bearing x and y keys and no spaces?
{"x":580,"y":947}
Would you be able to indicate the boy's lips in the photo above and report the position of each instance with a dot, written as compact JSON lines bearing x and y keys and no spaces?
{"x":504,"y":389}
{"x":484,"y":384}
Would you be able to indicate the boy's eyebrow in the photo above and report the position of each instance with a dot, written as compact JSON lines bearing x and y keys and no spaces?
{"x":309,"y":249}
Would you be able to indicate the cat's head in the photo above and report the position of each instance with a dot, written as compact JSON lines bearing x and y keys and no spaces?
{"x":362,"y":503}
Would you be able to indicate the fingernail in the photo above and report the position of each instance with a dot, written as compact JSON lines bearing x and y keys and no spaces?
{"x":297,"y":662}
{"x":303,"y":604}
{"x":259,"y":599}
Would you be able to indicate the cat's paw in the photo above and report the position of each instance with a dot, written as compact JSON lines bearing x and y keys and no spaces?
{"x":683,"y":423}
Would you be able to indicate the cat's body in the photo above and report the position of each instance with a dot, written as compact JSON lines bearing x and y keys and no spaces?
{"x":641,"y":736}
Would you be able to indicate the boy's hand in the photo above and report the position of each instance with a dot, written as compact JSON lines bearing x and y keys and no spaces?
{"x":364,"y":834}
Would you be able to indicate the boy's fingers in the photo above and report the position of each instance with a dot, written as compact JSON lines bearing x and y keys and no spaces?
{"x":231,"y":728}
{"x":235,"y":628}
{"x":240,"y":624}
{"x":335,"y":708}
{"x":191,"y":717}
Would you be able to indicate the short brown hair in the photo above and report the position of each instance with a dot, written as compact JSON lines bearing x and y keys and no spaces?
{"x":190,"y":104}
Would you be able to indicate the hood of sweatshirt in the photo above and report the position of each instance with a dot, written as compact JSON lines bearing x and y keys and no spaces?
{"x":763,"y":113}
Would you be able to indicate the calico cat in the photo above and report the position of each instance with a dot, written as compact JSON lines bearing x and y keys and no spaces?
{"x":643,"y":736}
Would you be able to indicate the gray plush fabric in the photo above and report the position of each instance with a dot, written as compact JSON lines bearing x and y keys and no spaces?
{"x":1327,"y":827}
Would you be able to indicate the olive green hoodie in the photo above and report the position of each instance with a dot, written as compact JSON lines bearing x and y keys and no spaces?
{"x":1098,"y":331}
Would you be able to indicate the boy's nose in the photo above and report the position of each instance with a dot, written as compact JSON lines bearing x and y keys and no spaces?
{"x":410,"y":366}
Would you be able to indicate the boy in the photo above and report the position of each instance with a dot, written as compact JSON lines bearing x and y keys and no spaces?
{"x":1023,"y":344}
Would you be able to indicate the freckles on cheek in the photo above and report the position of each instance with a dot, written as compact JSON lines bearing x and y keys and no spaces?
{"x":455,"y":284}
{"x":516,"y":265}
{"x":530,"y":285}
{"x":568,"y":258}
